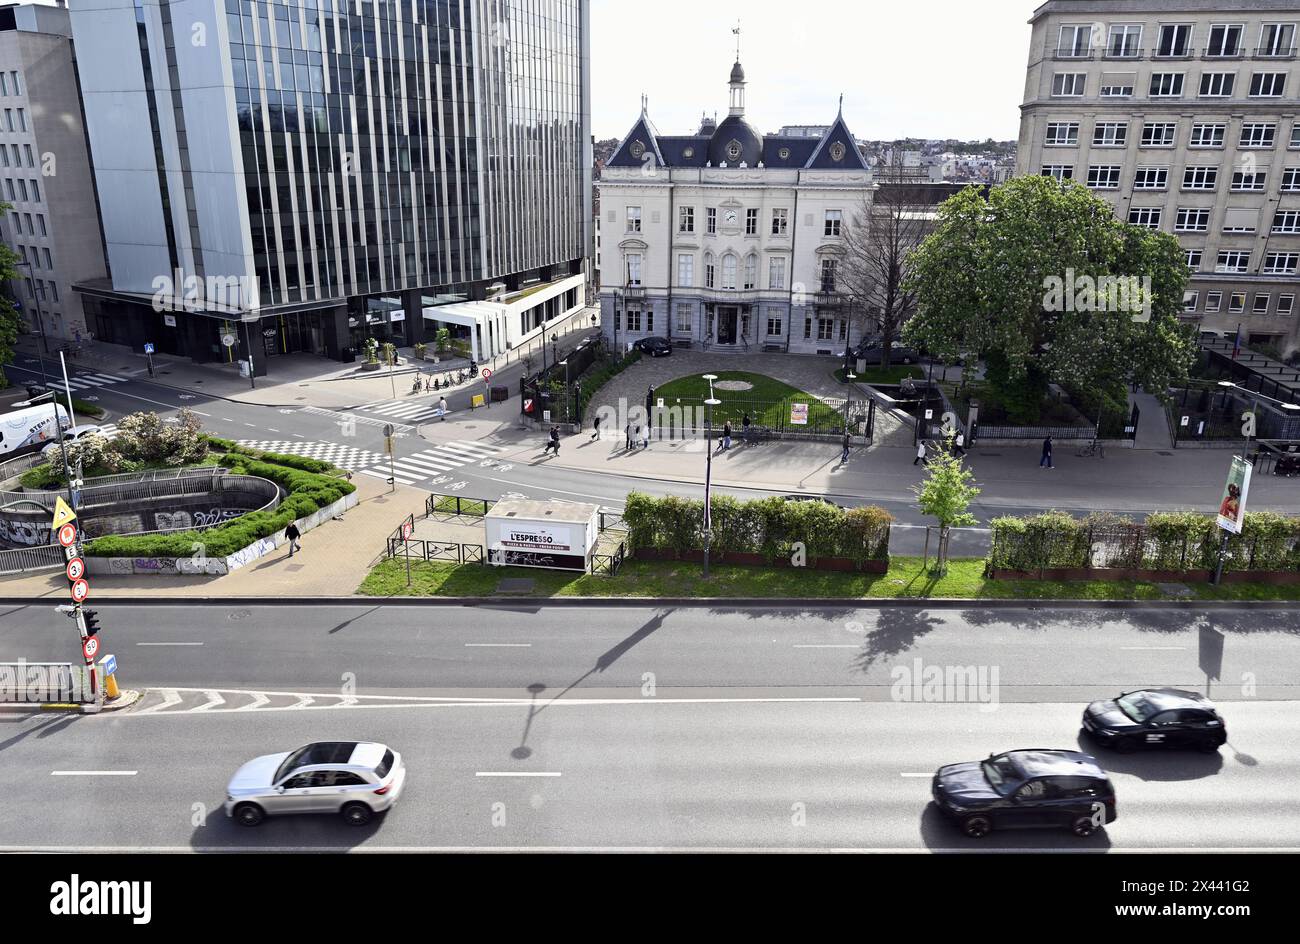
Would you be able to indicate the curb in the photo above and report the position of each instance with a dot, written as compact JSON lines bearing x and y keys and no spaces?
{"x":684,"y":602}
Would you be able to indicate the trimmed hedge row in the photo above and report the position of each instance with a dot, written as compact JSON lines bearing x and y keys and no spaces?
{"x":308,"y":493}
{"x":1165,"y":541}
{"x":766,"y":526}
{"x":304,"y":463}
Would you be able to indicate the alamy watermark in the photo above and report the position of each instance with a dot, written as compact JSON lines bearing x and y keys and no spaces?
{"x":232,"y":294}
{"x":1119,"y":294}
{"x":919,"y":682}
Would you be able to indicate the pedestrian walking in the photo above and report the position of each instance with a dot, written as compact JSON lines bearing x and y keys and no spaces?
{"x":1046,"y":460}
{"x":442,"y":408}
{"x":628,"y":431}
{"x":744,"y":427}
{"x":292,"y":534}
{"x":636,"y":438}
{"x":645,"y":438}
{"x":846,"y":443}
{"x":595,"y":429}
{"x":960,"y":444}
{"x":553,"y":443}
{"x":920,"y":453}
{"x":726,"y":436}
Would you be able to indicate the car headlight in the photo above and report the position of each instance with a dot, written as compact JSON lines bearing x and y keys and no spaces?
{"x":1105,"y":732}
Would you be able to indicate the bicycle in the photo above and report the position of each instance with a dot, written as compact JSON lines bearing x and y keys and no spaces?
{"x":1094,"y":448}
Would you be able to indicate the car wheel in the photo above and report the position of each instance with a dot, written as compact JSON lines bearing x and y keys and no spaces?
{"x":357,"y":814}
{"x":1083,"y":827}
{"x":977,"y":827}
{"x":249,"y":814}
{"x":1208,"y":746}
{"x":1124,"y":745}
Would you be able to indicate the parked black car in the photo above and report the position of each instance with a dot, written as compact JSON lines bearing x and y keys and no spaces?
{"x":655,"y":347}
{"x":1026,"y":789}
{"x":869,"y":351}
{"x":1156,"y":717}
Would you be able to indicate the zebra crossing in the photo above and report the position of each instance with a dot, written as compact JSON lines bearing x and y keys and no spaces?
{"x":86,"y":382}
{"x":345,"y":457}
{"x":412,"y":411}
{"x":436,"y":465}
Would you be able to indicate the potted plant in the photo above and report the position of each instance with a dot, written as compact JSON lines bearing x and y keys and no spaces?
{"x":419,"y":351}
{"x":370,"y":349}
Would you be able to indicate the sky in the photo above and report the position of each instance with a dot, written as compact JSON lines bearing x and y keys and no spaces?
{"x":921,"y":68}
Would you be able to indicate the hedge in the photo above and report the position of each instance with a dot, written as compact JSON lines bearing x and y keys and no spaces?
{"x":308,"y":492}
{"x":766,"y":526}
{"x":279,"y":458}
{"x":1168,"y":541}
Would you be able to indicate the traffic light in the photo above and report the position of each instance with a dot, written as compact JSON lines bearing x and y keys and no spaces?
{"x":92,"y":621}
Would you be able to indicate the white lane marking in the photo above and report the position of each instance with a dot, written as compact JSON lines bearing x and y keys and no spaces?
{"x":303,"y":702}
{"x":828,"y":646}
{"x":169,"y":644}
{"x":1152,"y":648}
{"x":258,"y":701}
{"x":270,"y":430}
{"x":296,"y":436}
{"x":93,"y":773}
{"x":226,"y":419}
{"x":171,"y":697}
{"x":214,"y":699}
{"x":548,"y":490}
{"x":498,"y":645}
{"x":517,"y":773}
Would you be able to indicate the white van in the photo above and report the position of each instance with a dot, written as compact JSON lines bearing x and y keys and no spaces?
{"x":30,"y":428}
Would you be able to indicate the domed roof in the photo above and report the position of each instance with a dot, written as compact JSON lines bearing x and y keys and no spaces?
{"x":737,"y":72}
{"x":735,"y":141}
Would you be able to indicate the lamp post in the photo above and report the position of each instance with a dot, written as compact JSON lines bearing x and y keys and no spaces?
{"x":1255,"y":397}
{"x":709,"y":404}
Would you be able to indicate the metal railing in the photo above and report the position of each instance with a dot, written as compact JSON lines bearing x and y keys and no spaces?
{"x":607,"y":565}
{"x":449,"y":551}
{"x":455,"y":505}
{"x":93,"y":495}
{"x":23,"y":559}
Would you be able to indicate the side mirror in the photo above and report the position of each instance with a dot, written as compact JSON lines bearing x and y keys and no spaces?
{"x":279,"y":788}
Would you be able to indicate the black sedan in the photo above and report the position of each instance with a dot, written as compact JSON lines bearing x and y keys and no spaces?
{"x":869,"y":351}
{"x":1026,"y":789}
{"x":1156,"y":717}
{"x":655,"y":347}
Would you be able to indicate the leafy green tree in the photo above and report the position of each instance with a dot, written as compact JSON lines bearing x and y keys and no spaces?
{"x":10,"y":320}
{"x":1022,"y":279}
{"x":945,"y":495}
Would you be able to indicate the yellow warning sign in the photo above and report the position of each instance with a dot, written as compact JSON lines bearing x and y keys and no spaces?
{"x":62,"y":514}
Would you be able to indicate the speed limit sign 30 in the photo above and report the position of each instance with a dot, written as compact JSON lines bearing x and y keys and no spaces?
{"x":80,"y":590}
{"x":76,"y":569}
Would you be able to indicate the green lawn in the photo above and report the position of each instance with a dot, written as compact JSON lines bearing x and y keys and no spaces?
{"x":905,"y":579}
{"x":893,"y":374}
{"x":765,"y":401}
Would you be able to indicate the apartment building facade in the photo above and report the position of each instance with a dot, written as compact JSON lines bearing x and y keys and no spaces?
{"x":45,"y":172}
{"x":1185,"y":115}
{"x":308,"y":174}
{"x":729,"y":239}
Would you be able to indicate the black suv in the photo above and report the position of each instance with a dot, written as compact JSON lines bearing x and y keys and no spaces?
{"x":655,"y":347}
{"x":1156,"y":717}
{"x":1026,"y":789}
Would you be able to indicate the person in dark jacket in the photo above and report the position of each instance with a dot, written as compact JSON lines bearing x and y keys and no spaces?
{"x":846,"y":442}
{"x":1046,"y":460}
{"x":553,"y":442}
{"x":292,"y":535}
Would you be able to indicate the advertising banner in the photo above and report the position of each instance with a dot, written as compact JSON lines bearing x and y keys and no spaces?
{"x":1232,"y":506}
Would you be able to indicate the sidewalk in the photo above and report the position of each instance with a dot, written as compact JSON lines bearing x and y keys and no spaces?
{"x":334,"y":559}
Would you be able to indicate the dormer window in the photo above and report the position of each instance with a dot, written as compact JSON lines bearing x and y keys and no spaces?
{"x":637,"y":149}
{"x":733,"y":149}
{"x":784,"y":154}
{"x":837,"y":151}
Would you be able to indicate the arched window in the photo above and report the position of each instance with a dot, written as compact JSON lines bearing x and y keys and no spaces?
{"x":751,"y":271}
{"x":710,"y":271}
{"x":729,"y":271}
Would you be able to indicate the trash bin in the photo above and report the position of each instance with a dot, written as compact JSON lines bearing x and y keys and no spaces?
{"x":500,"y":394}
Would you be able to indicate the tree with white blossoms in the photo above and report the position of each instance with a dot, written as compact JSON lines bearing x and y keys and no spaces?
{"x":982,"y":285}
{"x":945,"y":495}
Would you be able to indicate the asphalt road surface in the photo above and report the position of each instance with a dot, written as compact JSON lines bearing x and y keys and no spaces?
{"x":643,"y":727}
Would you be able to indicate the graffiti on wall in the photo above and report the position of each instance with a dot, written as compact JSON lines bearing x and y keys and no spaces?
{"x":25,"y":533}
{"x":249,"y":554}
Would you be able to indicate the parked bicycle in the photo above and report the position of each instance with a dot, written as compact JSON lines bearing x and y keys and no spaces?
{"x":1094,"y":448}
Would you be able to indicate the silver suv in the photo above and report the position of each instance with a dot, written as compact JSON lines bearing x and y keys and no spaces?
{"x":353,"y":779}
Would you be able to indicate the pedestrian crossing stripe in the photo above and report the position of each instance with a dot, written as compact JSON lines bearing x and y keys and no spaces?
{"x":87,"y":381}
{"x":402,"y":409}
{"x":341,"y":416}
{"x":431,"y":463}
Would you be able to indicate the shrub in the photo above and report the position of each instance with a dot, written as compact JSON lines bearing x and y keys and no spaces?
{"x":600,"y":374}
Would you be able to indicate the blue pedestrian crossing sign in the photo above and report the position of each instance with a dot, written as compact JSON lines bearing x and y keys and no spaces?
{"x":148,"y":348}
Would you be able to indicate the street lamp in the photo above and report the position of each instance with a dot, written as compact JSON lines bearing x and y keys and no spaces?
{"x":710,"y":403}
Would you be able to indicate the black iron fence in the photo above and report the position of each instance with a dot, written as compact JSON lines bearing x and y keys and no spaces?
{"x":455,"y":505}
{"x":449,"y":551}
{"x":607,"y":565}
{"x":790,"y":418}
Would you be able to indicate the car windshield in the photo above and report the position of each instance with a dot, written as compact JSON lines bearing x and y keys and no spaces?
{"x":1137,"y":706}
{"x":999,"y":772}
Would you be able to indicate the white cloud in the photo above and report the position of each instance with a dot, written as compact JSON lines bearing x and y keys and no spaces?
{"x":934,"y":68}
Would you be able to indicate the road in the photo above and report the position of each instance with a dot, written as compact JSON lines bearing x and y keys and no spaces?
{"x":631,"y":727}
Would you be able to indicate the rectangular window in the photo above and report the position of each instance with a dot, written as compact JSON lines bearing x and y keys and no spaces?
{"x":1104,"y":176}
{"x":1062,"y":133}
{"x":1118,"y":84}
{"x":833,"y":220}
{"x":634,"y":268}
{"x":1145,"y":216}
{"x":1233,"y":260}
{"x":686,"y":219}
{"x":1260,"y":306}
{"x":9,"y":187}
{"x":1175,"y":41}
{"x":22,"y":189}
{"x":54,"y":291}
{"x":685,"y":319}
{"x":1166,"y":85}
{"x":1075,"y":42}
{"x":633,"y":219}
{"x":1151,"y":178}
{"x":1200,"y":178}
{"x":774,"y":327}
{"x":1110,"y":134}
{"x":1281,"y":263}
{"x":1058,"y":171}
{"x":1248,"y":183}
{"x":36,"y":191}
{"x":4,"y":84}
{"x":1295,"y":137}
{"x":843,"y":328}
{"x":807,"y":329}
{"x":729,"y":273}
{"x":22,"y":119}
{"x":31,"y":229}
{"x":1207,"y":135}
{"x":1291,"y":180}
{"x":633,"y":319}
{"x":1194,"y":257}
{"x":685,"y":270}
{"x":825,"y":327}
{"x":1277,"y":39}
{"x":1192,"y":220}
{"x":828,"y":269}
{"x":1237,"y":302}
{"x":31,"y":159}
{"x":1285,"y":304}
{"x":751,"y":272}
{"x":1240,"y":220}
{"x":1125,"y":42}
{"x":1258,"y":134}
{"x":776,"y":273}
{"x":1068,"y":84}
{"x":1266,"y":85}
{"x":1159,"y":134}
{"x":1225,"y":42}
{"x":1213,"y":302}
{"x":710,"y":272}
{"x":18,"y":87}
{"x":1286,"y":221}
{"x":780,"y":222}
{"x":1189,"y":300}
{"x":711,"y":220}
{"x":1217,"y":84}
{"x":751,"y":222}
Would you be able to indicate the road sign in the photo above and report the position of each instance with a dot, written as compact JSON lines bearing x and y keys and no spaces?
{"x":90,"y":647}
{"x":76,"y":569}
{"x":148,"y":348}
{"x":108,"y":664}
{"x":487,"y":374}
{"x":62,"y":514}
{"x":228,"y":340}
{"x":388,"y":430}
{"x":68,"y":535}
{"x":528,"y":406}
{"x":406,"y":530}
{"x":80,"y":590}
